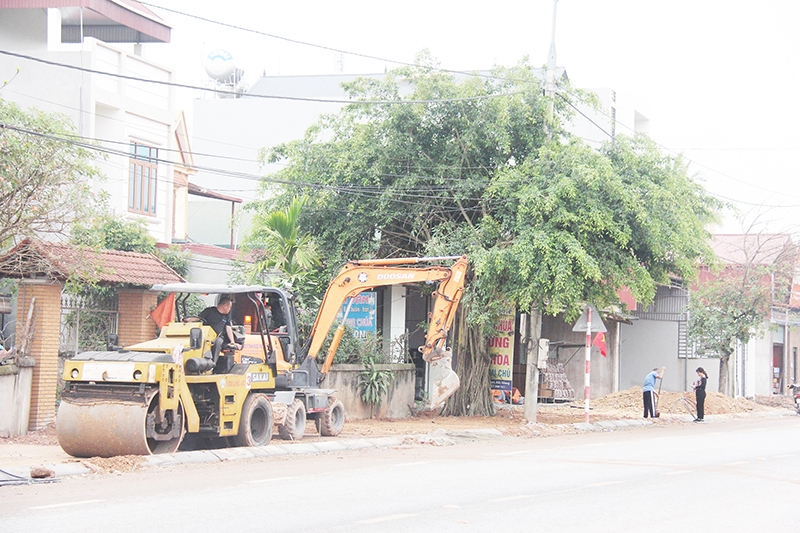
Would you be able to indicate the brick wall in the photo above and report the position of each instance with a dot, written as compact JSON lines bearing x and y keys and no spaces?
{"x":42,"y":345}
{"x":134,"y":326}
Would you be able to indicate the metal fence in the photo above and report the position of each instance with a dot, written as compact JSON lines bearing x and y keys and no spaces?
{"x":86,"y":323}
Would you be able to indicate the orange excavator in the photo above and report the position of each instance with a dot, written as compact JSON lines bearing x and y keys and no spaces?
{"x":190,"y":383}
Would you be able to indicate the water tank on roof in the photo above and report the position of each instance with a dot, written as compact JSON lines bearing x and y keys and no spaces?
{"x":219,"y":64}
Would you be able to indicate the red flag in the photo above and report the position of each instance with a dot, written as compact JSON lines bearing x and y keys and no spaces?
{"x":600,"y":342}
{"x":164,"y":313}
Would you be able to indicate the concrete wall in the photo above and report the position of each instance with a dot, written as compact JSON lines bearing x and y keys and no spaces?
{"x":396,"y":404}
{"x":23,"y":29}
{"x":645,"y":345}
{"x":15,"y":397}
{"x":760,"y":355}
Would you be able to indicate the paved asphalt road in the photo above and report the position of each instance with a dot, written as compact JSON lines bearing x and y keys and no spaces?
{"x":726,"y":475}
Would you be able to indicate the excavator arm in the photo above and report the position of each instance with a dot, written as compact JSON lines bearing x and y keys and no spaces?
{"x":359,"y":276}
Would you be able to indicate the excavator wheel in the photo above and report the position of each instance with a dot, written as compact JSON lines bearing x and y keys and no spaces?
{"x":331,"y":421}
{"x":294,"y":425}
{"x":106,"y":428}
{"x":255,"y":425}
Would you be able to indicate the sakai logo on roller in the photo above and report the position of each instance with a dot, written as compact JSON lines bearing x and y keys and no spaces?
{"x":258,"y":377}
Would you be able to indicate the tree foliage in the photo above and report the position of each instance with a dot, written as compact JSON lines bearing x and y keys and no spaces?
{"x":281,"y":252}
{"x":112,"y":232}
{"x":43,"y":179}
{"x":481,"y":165}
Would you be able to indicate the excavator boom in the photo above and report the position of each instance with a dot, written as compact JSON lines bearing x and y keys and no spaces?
{"x":358,"y":276}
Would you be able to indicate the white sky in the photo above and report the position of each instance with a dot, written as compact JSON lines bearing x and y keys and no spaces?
{"x":718,"y":79}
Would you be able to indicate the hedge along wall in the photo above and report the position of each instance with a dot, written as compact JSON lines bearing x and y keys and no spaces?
{"x":396,"y":403}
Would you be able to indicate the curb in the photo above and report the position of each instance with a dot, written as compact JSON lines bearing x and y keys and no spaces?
{"x":21,"y":475}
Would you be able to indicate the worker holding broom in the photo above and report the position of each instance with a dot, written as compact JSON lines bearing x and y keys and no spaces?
{"x":649,"y":391}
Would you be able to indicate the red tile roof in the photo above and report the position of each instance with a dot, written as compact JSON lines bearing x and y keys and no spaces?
{"x":61,"y":261}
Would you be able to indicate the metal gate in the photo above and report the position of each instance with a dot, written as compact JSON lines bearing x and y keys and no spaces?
{"x":86,"y":323}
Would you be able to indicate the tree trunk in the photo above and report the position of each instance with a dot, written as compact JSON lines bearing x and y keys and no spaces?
{"x":533,"y":334}
{"x":723,"y":373}
{"x":471,"y":353}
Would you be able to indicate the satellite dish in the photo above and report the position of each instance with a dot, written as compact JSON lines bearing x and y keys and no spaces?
{"x":219,"y":64}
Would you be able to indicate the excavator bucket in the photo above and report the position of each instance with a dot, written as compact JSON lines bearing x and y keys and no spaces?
{"x":443,"y":380}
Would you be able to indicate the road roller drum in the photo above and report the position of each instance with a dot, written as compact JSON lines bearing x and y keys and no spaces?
{"x":94,"y":427}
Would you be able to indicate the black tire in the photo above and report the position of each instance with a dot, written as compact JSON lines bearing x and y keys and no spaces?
{"x":294,"y":425}
{"x":255,"y":424}
{"x":331,"y":421}
{"x":173,"y":424}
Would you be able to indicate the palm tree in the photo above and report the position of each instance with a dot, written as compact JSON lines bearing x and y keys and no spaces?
{"x":279,"y":248}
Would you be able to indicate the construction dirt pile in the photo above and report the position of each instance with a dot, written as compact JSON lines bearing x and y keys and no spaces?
{"x":628,"y":403}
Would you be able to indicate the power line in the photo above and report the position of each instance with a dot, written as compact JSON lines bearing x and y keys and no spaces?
{"x":327,"y":48}
{"x":676,"y":153}
{"x":359,"y":191}
{"x":264,"y":96}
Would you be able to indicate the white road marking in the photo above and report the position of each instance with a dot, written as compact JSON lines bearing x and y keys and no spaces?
{"x":602,"y":484}
{"x":414,"y":464}
{"x":519,"y":453}
{"x":269,"y":479}
{"x":84,"y":502}
{"x":452,"y":507}
{"x":385,"y":518}
{"x":783,"y":456}
{"x":735,"y":463}
{"x":675,"y":473}
{"x":512,"y":498}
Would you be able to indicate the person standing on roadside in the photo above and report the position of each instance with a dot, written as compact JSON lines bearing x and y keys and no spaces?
{"x":700,"y":393}
{"x":649,"y":391}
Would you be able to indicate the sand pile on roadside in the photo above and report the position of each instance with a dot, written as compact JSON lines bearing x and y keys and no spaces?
{"x":629,"y":403}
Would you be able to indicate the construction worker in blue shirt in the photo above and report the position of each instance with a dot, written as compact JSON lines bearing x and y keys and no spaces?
{"x":649,"y":391}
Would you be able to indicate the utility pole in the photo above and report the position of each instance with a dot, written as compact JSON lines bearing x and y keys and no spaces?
{"x":550,"y":75}
{"x":534,"y":333}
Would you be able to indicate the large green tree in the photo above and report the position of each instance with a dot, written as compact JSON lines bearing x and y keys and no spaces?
{"x":43,"y":178}
{"x":425,"y":163}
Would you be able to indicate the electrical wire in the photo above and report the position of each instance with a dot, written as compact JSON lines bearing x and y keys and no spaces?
{"x":253,"y":95}
{"x":330,"y":48}
{"x":676,"y":153}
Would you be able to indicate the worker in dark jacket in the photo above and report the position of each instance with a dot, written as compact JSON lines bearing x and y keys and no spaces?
{"x":219,"y":319}
{"x":700,"y":393}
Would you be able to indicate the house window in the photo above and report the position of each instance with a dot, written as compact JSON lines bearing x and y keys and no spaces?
{"x":143,"y":179}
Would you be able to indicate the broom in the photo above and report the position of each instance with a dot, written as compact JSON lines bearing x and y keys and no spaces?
{"x":658,"y":395}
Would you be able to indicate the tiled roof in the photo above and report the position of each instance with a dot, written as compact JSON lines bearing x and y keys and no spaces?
{"x":61,"y":261}
{"x":211,"y":250}
{"x":753,"y":249}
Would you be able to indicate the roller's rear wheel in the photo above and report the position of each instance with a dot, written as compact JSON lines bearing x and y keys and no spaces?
{"x":255,"y":425}
{"x":294,"y":425}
